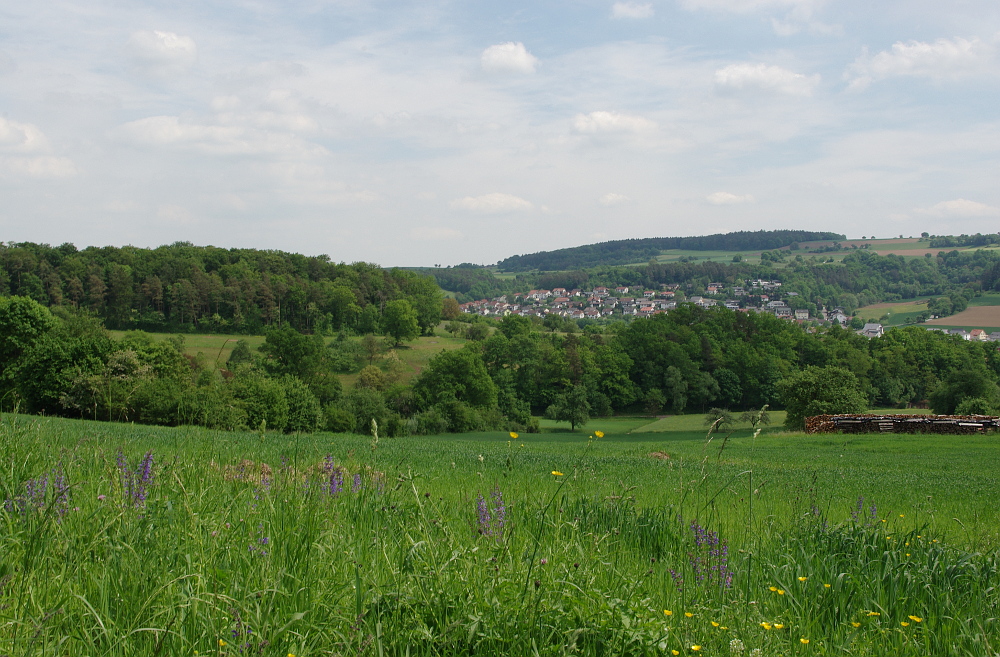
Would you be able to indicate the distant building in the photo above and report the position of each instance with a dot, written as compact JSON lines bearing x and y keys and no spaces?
{"x":872,"y":330}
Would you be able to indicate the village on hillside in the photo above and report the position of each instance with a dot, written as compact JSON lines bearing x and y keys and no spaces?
{"x":623,"y":301}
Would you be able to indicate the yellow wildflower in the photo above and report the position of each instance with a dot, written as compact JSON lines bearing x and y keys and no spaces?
{"x":803,"y":641}
{"x":714,"y":624}
{"x":557,"y":473}
{"x":779,"y":626}
{"x":513,"y":434}
{"x":826,"y":586}
{"x":855,"y":624}
{"x":696,"y":648}
{"x":802,"y":579}
{"x":222,"y":644}
{"x":667,"y":612}
{"x":675,"y":652}
{"x":599,"y":434}
{"x":916,"y":619}
{"x":901,"y":515}
{"x":781,"y":592}
{"x":874,"y":613}
{"x":905,"y":624}
{"x":774,"y":589}
{"x":688,"y":614}
{"x":766,"y":625}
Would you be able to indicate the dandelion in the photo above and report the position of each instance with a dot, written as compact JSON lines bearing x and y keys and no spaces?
{"x":557,"y":473}
{"x":804,"y":641}
{"x":802,"y":579}
{"x":916,"y":619}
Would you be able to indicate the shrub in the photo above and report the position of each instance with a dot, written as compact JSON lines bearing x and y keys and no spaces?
{"x":304,"y":413}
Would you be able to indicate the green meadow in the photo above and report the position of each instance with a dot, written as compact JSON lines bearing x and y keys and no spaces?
{"x":133,"y":540}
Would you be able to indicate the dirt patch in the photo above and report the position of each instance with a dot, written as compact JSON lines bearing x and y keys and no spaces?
{"x":974,"y":316}
{"x":663,"y":456}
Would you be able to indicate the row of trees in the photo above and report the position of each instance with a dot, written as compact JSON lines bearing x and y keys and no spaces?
{"x":185,"y":287}
{"x":688,"y":360}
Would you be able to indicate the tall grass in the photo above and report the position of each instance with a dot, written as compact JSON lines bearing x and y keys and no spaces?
{"x":455,"y":546}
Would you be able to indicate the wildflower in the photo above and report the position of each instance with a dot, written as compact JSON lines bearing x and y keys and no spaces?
{"x":916,"y":619}
{"x":599,"y":434}
{"x":826,"y":586}
{"x":855,"y":624}
{"x":714,"y":624}
{"x":543,"y":561}
{"x":736,"y":646}
{"x":779,"y":626}
{"x":688,"y":614}
{"x":101,"y":498}
{"x":756,"y":652}
{"x":766,"y":625}
{"x":667,"y":612}
{"x":901,"y":515}
{"x":557,"y":473}
{"x":883,"y":520}
{"x":802,"y":579}
{"x":696,"y":648}
{"x":874,"y":613}
{"x":804,"y":641}
{"x":222,"y":644}
{"x":513,"y":435}
{"x":781,"y":592}
{"x":774,"y":589}
{"x":905,"y":624}
{"x":675,"y":652}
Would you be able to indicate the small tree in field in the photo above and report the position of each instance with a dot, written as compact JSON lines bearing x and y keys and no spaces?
{"x":399,"y":320}
{"x":820,"y":391}
{"x":571,"y":407}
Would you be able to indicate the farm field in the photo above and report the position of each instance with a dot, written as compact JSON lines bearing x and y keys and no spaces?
{"x":489,"y":544}
{"x":984,"y":317}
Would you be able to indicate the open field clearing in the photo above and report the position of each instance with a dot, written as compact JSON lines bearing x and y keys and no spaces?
{"x":414,"y":355}
{"x":127,"y":540}
{"x":984,"y":317}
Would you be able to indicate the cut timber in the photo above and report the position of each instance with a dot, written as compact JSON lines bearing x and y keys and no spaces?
{"x":872,"y":423}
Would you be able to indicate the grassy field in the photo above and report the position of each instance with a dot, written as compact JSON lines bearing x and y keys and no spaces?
{"x":656,"y":543}
{"x":217,"y":348}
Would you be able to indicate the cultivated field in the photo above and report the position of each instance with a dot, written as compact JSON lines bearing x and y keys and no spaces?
{"x":127,"y":540}
{"x":984,"y":317}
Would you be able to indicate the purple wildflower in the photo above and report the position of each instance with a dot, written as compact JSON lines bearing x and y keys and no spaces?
{"x":135,"y":483}
{"x":356,"y":486}
{"x":492,"y":522}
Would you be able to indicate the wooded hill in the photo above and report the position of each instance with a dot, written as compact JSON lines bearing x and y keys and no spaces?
{"x":211,"y":289}
{"x":622,"y":252}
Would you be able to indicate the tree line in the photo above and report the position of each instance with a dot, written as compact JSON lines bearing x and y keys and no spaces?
{"x":510,"y":371}
{"x":182,"y":287}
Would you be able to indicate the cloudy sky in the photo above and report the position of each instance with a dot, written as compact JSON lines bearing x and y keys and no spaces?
{"x":435,"y":132}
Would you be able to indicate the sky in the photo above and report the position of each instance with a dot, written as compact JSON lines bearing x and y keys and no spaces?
{"x":436,"y":132}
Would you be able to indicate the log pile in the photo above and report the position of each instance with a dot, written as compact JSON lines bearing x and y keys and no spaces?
{"x":871,"y":423}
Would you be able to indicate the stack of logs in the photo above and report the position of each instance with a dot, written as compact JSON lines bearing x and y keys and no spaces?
{"x":870,"y":423}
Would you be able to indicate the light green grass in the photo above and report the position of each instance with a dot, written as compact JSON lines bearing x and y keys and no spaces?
{"x":581,"y":565}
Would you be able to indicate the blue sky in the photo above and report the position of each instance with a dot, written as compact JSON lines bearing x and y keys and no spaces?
{"x":446,"y":132}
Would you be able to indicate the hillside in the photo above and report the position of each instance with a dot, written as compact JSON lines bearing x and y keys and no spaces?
{"x":621,"y":252}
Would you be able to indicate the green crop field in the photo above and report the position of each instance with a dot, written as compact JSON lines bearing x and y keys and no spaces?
{"x":127,"y":540}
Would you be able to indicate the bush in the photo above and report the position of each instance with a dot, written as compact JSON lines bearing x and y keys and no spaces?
{"x":304,"y":413}
{"x":820,"y":391}
{"x":337,"y":419}
{"x":262,"y":399}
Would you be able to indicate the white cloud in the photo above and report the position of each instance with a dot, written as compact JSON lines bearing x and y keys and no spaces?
{"x":611,"y":122}
{"x":747,"y":6}
{"x":495,"y":203}
{"x":175,"y":214}
{"x":21,"y":137}
{"x":961,"y":207}
{"x":44,"y":166}
{"x":433,"y":234}
{"x":162,"y":53}
{"x":228,"y":139}
{"x":725,"y":198}
{"x":942,"y":59}
{"x":631,"y":10}
{"x":611,"y":199}
{"x":742,"y":77}
{"x":508,"y":57}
